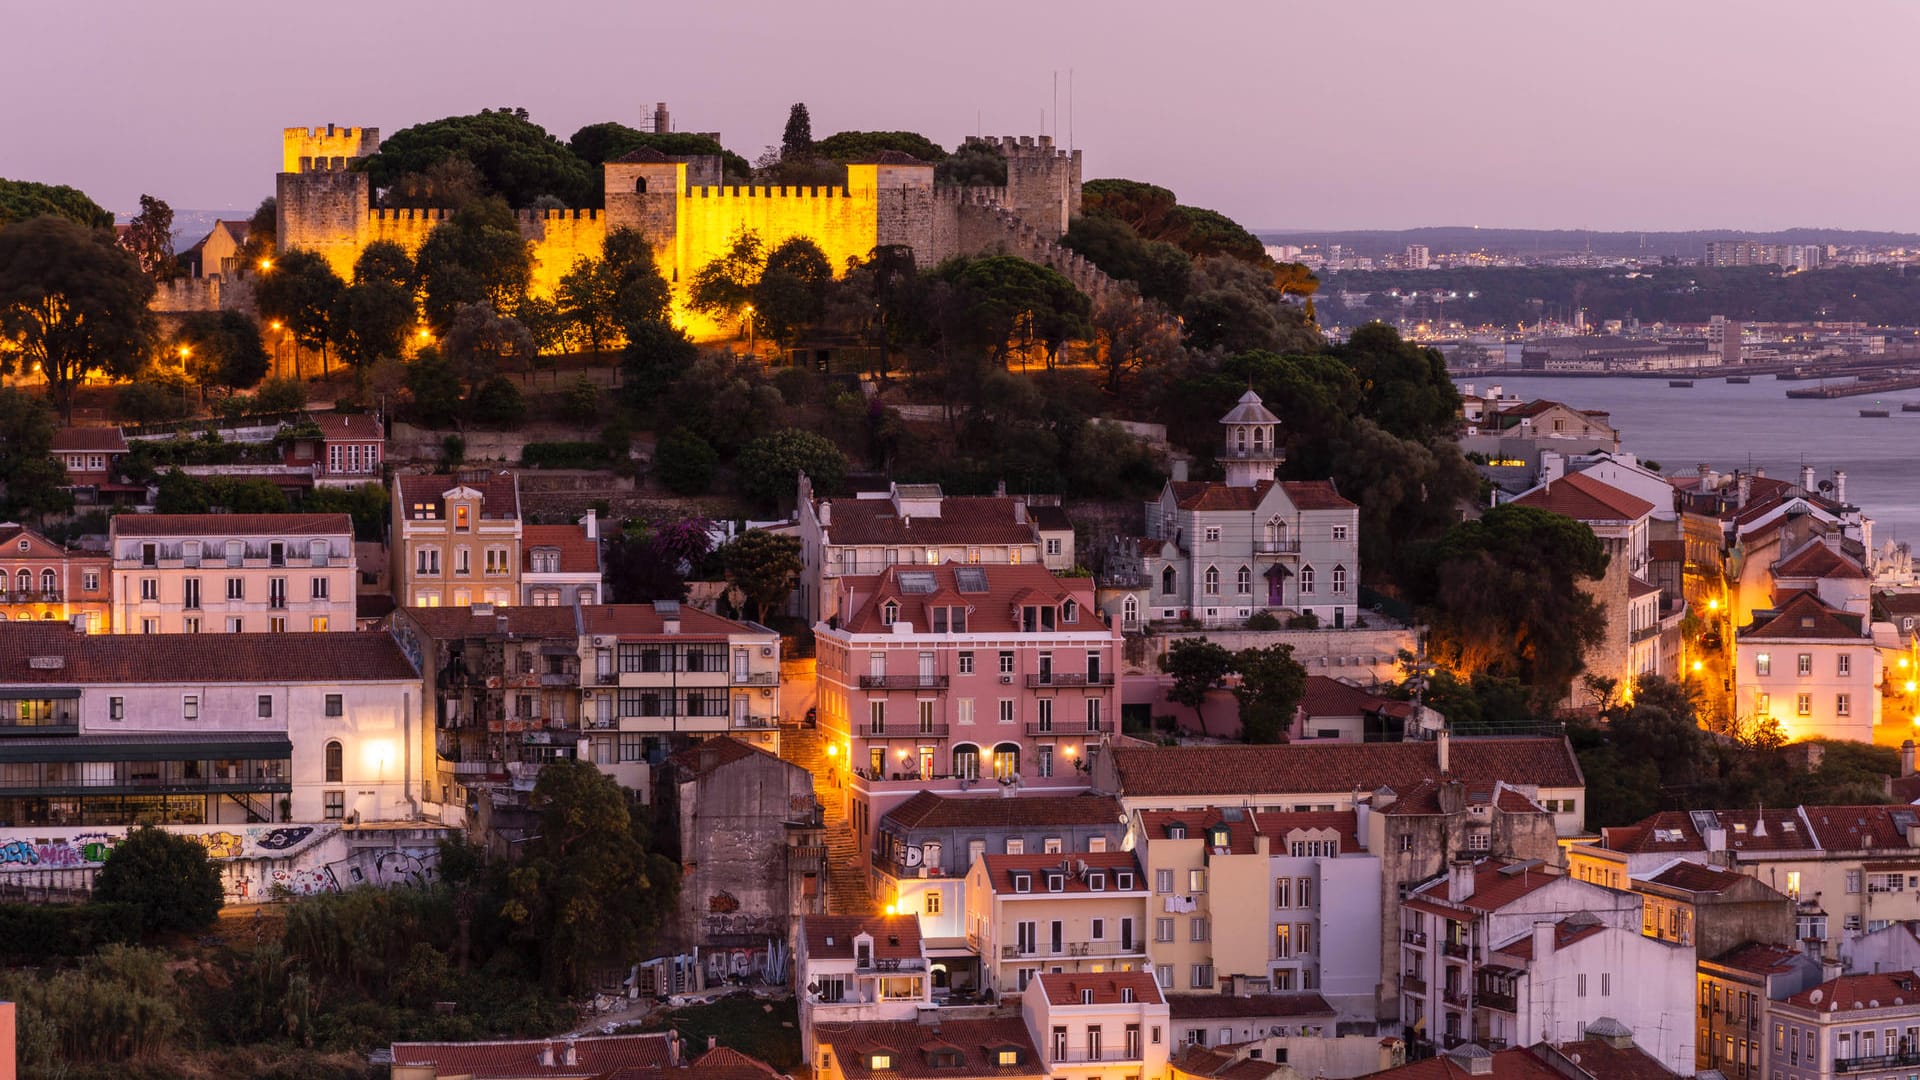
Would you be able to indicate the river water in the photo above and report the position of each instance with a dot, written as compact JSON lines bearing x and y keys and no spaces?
{"x":1732,"y":427}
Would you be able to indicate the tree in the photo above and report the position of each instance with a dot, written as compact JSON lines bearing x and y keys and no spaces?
{"x":1130,"y":336}
{"x":620,"y":294}
{"x":436,"y":389}
{"x":1161,"y":270}
{"x":1271,"y":685}
{"x":764,"y":566}
{"x":724,"y":286}
{"x":497,"y":403}
{"x":655,"y":355}
{"x":791,"y":294}
{"x":854,"y":145}
{"x":149,"y":238}
{"x":976,"y":163}
{"x":769,"y":467}
{"x":586,"y":296}
{"x":1008,"y":302}
{"x":1197,"y":666}
{"x":70,"y":302}
{"x":481,"y":343}
{"x":24,"y":199}
{"x":475,"y":256}
{"x":303,"y":294}
{"x":603,"y":142}
{"x":29,"y":474}
{"x":221,"y":348}
{"x":1233,"y":306}
{"x":645,"y":565}
{"x":586,"y":888}
{"x":684,"y":462}
{"x":263,"y":229}
{"x":512,"y":157}
{"x":169,"y":878}
{"x":377,"y":309}
{"x":796,"y":142}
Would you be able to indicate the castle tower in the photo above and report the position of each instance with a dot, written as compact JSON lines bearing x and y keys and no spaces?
{"x":1043,"y":183}
{"x":643,"y":187}
{"x":1252,"y":451}
{"x":901,"y":186}
{"x":321,"y":200}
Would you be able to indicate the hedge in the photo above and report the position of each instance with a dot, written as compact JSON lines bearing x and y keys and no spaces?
{"x":564,"y":455}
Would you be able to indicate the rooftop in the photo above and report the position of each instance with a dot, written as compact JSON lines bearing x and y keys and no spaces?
{"x":913,"y":1048}
{"x":926,"y":810}
{"x":707,"y":755}
{"x":1230,"y":1006}
{"x":1107,"y":988}
{"x":231,"y":525}
{"x":54,"y":654}
{"x":830,"y":937}
{"x":1242,"y":826}
{"x":1300,"y":768}
{"x":1817,"y":560}
{"x":444,"y":623}
{"x":1758,"y":958}
{"x":1000,"y":871}
{"x":962,"y":519}
{"x":991,"y":593}
{"x":1574,"y":928}
{"x":578,"y":553}
{"x":338,"y":426}
{"x":94,"y":439}
{"x":1496,"y":883}
{"x":516,"y":1058}
{"x":1803,"y":616}
{"x":1583,"y":498}
{"x":650,"y":620}
{"x":1327,"y":697}
{"x":499,"y":492}
{"x":1883,"y":990}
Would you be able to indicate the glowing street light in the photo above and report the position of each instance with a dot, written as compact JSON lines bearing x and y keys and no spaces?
{"x":265,"y":265}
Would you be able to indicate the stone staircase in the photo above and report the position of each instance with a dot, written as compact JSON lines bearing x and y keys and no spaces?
{"x":846,"y":876}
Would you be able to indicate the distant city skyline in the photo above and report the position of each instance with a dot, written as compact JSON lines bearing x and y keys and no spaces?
{"x":1632,"y":114}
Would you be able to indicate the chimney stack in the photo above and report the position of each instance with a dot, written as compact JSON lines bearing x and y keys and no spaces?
{"x":1840,"y":486}
{"x":1460,"y":879}
{"x":1444,"y":741}
{"x":1180,"y":469}
{"x":1806,"y":478}
{"x":592,"y":522}
{"x":546,"y":1056}
{"x":570,"y":1058}
{"x":1906,"y":758}
{"x":1542,"y":941}
{"x":1743,"y":489}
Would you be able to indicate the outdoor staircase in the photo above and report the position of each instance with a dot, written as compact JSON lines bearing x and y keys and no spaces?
{"x":846,"y":874}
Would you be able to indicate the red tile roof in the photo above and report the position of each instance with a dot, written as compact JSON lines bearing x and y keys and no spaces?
{"x":1565,"y":932}
{"x":1760,"y":959}
{"x":830,"y":937}
{"x":962,"y":520}
{"x":498,"y":488}
{"x":646,"y":621}
{"x":1327,"y":697}
{"x":231,"y":524}
{"x":1667,"y":550}
{"x":521,"y":1057}
{"x":1001,"y":868}
{"x":725,"y":1061}
{"x":443,"y":623}
{"x":1243,"y":827}
{"x":1224,"y":1006}
{"x":641,"y":155}
{"x":993,"y":611}
{"x":1492,"y":889}
{"x":1602,"y":1060}
{"x":348,"y":656}
{"x":1338,"y":767}
{"x":1674,"y":832}
{"x":1878,"y":991}
{"x":908,"y":1043}
{"x":1204,"y":495}
{"x":38,"y":546}
{"x":1637,"y":588}
{"x":1315,"y":495}
{"x":578,"y":554}
{"x":1803,"y":616}
{"x":1860,"y":828}
{"x":1694,"y":878}
{"x":1583,"y":498}
{"x":1505,"y":1065}
{"x":89,"y":439}
{"x":1068,"y":988}
{"x":347,"y":427}
{"x":927,"y":810}
{"x":1816,"y":560}
{"x":707,"y":755}
{"x":1423,"y":799}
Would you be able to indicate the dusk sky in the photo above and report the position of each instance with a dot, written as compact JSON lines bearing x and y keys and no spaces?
{"x":1611,"y":114}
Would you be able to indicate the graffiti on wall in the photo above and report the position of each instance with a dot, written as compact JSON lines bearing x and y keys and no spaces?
{"x":93,"y":849}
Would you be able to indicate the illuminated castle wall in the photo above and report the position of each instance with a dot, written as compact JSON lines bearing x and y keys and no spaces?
{"x":325,"y":206}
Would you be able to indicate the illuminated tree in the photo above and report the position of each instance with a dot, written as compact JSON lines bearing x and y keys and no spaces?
{"x":70,"y":302}
{"x":149,"y":238}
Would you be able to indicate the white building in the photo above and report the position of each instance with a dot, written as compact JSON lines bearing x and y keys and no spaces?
{"x":561,"y":564}
{"x":1812,"y":667}
{"x":1107,"y":1024}
{"x":857,"y":968}
{"x":232,"y":573}
{"x":1850,"y":1026}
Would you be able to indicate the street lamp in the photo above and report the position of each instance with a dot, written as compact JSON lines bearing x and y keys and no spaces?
{"x":750,"y":330}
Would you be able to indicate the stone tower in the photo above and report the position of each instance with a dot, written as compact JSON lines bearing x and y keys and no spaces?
{"x":321,"y":200}
{"x":1252,"y":450}
{"x":642,"y":186}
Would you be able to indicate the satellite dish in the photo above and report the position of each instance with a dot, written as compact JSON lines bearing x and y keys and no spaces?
{"x":1815,"y":996}
{"x":1826,"y":485}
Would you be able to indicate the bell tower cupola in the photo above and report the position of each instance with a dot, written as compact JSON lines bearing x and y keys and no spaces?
{"x":1252,"y":450}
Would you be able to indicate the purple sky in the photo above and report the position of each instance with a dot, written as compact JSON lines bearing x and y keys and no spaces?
{"x":1612,"y":114}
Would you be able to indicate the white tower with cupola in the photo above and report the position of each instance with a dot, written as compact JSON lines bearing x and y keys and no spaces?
{"x":1252,"y":450}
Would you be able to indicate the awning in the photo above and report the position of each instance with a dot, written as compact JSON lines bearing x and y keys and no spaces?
{"x":169,"y":746}
{"x":38,"y":693}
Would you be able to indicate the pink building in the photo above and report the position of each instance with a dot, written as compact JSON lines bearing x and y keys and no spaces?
{"x":962,"y":679}
{"x":349,"y":450}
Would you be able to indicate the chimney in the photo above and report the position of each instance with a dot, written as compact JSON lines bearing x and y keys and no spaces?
{"x":1760,"y":472}
{"x":1180,"y":469}
{"x":661,"y":121}
{"x":1542,"y":941}
{"x":1743,"y":489}
{"x":1000,"y":489}
{"x":1020,"y":513}
{"x":546,"y":1056}
{"x":825,"y":513}
{"x":1460,"y":880}
{"x":1705,"y":471}
{"x":712,"y":1042}
{"x":1840,"y":486}
{"x":1806,"y":478}
{"x":569,"y":1057}
{"x":673,"y":1048}
{"x":1906,"y":758}
{"x":592,"y":522}
{"x":1444,"y":743}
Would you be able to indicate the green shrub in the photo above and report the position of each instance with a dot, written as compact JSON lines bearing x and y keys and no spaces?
{"x":279,"y":395}
{"x":498,"y":402}
{"x":150,"y":403}
{"x":1263,"y":620}
{"x":685,"y":462}
{"x":32,"y":933}
{"x":1306,"y":620}
{"x":564,"y":455}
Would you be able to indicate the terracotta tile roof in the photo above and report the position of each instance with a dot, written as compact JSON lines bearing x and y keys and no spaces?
{"x":963,"y":519}
{"x":641,"y":155}
{"x":1583,"y":498}
{"x":1330,"y":697}
{"x":1904,"y":789}
{"x":1242,"y":827}
{"x":1315,"y":495}
{"x":498,"y":488}
{"x":1816,"y":560}
{"x":578,"y":554}
{"x":1675,"y":831}
{"x":889,"y":157}
{"x":1001,"y":868}
{"x":340,"y":427}
{"x":95,"y":439}
{"x":1068,"y":988}
{"x":1760,"y":959}
{"x":1694,"y":878}
{"x":1637,"y":588}
{"x":1050,"y":518}
{"x":38,"y":546}
{"x":1800,"y":616}
{"x":443,"y":623}
{"x":907,"y":1043}
{"x":730,"y":1064}
{"x":1602,"y":1060}
{"x":1565,"y":932}
{"x":645,"y":620}
{"x":1225,"y":1006}
{"x":927,"y":810}
{"x":707,"y":755}
{"x":1505,"y":1065}
{"x":1667,"y":550}
{"x":1900,"y":603}
{"x":1493,"y":889}
{"x":1882,"y":990}
{"x":357,"y":656}
{"x":1861,"y":828}
{"x":830,"y":937}
{"x":1338,"y":767}
{"x":231,"y":525}
{"x":1423,"y":799}
{"x":521,"y":1057}
{"x":992,"y":611}
{"x":1203,"y":495}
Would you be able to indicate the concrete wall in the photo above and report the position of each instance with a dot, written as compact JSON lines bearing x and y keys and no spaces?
{"x":737,"y":865}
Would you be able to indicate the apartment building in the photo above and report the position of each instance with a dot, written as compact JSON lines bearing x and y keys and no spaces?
{"x":562,"y":564}
{"x":1210,"y":1019}
{"x":232,"y":573}
{"x":858,"y":968}
{"x":1623,"y":524}
{"x":1111,"y":1025}
{"x":957,"y":679}
{"x":913,"y":525}
{"x":1028,"y":914}
{"x":199,"y":729}
{"x":1850,"y":1026}
{"x":41,"y":580}
{"x":1735,"y":989}
{"x":342,"y":449}
{"x":665,"y":675}
{"x":1711,"y":909}
{"x":1811,"y":667}
{"x":1251,"y":902}
{"x":89,"y":455}
{"x":963,"y":1048}
{"x":456,"y":538}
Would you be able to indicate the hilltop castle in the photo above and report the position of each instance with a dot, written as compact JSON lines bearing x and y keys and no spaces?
{"x":690,"y":216}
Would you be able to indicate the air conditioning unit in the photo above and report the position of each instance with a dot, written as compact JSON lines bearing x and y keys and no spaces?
{"x":588,"y":694}
{"x":602,"y":642}
{"x":766,"y":693}
{"x":766,"y":650}
{"x":1006,"y":680}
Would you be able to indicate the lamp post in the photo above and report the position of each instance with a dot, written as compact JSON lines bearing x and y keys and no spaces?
{"x":750,"y":341}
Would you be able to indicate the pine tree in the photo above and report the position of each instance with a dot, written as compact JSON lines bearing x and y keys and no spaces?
{"x":796,"y":144}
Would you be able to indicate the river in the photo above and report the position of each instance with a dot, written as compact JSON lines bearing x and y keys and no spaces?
{"x":1733,"y":427}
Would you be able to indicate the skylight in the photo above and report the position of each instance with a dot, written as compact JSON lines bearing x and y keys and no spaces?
{"x":916,"y":582}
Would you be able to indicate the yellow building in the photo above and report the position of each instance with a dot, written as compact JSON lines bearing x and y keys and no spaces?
{"x":232,"y":573}
{"x":1107,"y":1026}
{"x":456,"y":539}
{"x":1029,"y":914}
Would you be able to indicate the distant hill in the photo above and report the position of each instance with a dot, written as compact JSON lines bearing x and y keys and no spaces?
{"x":1377,"y":242}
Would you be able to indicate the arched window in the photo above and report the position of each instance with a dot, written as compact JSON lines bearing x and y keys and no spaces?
{"x":336,"y":762}
{"x":47,"y":580}
{"x":1166,"y":581}
{"x":1212,"y":580}
{"x":966,"y":761}
{"x":1006,"y":760}
{"x":1243,"y":580}
{"x":23,"y":582}
{"x":1130,"y":609}
{"x":1306,"y":579}
{"x":1339,"y":579}
{"x":888,"y":613}
{"x":1070,"y":612}
{"x":640,"y":185}
{"x":1259,"y":438}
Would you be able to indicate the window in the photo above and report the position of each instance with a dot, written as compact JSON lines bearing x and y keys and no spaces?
{"x":1803,"y":704}
{"x":334,"y":705}
{"x":1006,"y":663}
{"x":1202,"y":977}
{"x":1843,"y":705}
{"x":335,"y":762}
{"x":264,"y":707}
{"x":1197,"y":928}
{"x":1243,"y":581}
{"x":1845,"y":662}
{"x":189,"y":593}
{"x":1211,"y":534}
{"x":1210,"y":581}
{"x":932,"y":904}
{"x":1306,"y":579}
{"x":147,"y":626}
{"x":1763,"y":704}
{"x":1580,"y":985}
{"x":1163,"y":881}
{"x":149,"y":588}
{"x":234,"y":626}
{"x":1006,"y":710}
{"x":1804,"y":665}
{"x":90,"y":581}
{"x":1763,"y":663}
{"x":426,"y":562}
{"x":1053,"y":546}
{"x":116,"y":708}
{"x":1854,"y":878}
{"x":277,"y":624}
{"x":966,"y":663}
{"x":1282,"y":941}
{"x":1163,"y":929}
{"x":889,"y":612}
{"x":1197,"y":880}
{"x":318,"y":624}
{"x":1339,"y":532}
{"x":190,"y":707}
{"x":318,"y":590}
{"x":277,"y":592}
{"x":1167,"y":582}
{"x":336,"y":805}
{"x":1339,"y":579}
{"x":236,"y":588}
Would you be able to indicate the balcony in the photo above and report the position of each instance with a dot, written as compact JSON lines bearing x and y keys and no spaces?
{"x":1494,"y":1000}
{"x":755,"y":723}
{"x":756,"y":678}
{"x":1276,"y":547}
{"x":884,"y":964}
{"x":1061,"y":678}
{"x":903,"y":682}
{"x":1884,"y":1061}
{"x":1455,"y":949}
{"x":1102,"y":1054}
{"x":904,"y":731}
{"x":1075,"y":948}
{"x":1068,"y":730}
{"x":1454,"y":995}
{"x":1416,"y":938}
{"x":606,"y":678}
{"x":1412,"y":983}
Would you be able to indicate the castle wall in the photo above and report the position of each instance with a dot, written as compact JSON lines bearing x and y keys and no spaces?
{"x":332,"y":141}
{"x":184,"y":296}
{"x":407,"y":227}
{"x":324,"y":209}
{"x":560,"y":238}
{"x":708,"y":218}
{"x":1043,"y":183}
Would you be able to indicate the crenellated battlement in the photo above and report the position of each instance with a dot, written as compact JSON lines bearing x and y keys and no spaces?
{"x":409,"y":214}
{"x":759,"y":191}
{"x":303,"y":148}
{"x":528,"y":217}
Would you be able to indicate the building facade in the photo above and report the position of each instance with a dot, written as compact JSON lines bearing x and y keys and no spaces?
{"x":1810,"y":667}
{"x":562,"y":564}
{"x":1029,"y":914}
{"x":456,"y":539}
{"x":858,"y":968}
{"x":1103,"y":1026}
{"x":40,"y":580}
{"x":232,"y":573}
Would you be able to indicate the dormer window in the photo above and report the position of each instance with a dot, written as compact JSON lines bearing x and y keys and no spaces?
{"x":462,"y":517}
{"x":879,"y":1062}
{"x":889,"y":612}
{"x":1123,"y":880}
{"x":1070,"y":612}
{"x":1218,"y":837}
{"x":1006,"y":1055}
{"x":1126,"y":995}
{"x":1086,"y":997}
{"x":1023,"y":883}
{"x":1056,"y":883}
{"x":1176,"y":831}
{"x":276,"y":554}
{"x":1097,"y":882}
